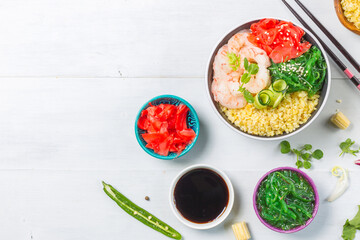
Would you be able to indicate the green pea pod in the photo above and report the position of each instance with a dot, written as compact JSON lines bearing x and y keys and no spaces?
{"x":140,"y":214}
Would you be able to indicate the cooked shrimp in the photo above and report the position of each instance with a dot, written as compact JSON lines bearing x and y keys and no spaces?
{"x":225,"y":92}
{"x":259,"y":81}
{"x":238,"y":41}
{"x":255,"y":54}
{"x":262,"y":79}
{"x":222,"y":68}
{"x":226,"y":82}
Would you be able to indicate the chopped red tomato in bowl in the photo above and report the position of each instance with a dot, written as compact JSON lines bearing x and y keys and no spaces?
{"x":166,"y":128}
{"x":281,"y":40}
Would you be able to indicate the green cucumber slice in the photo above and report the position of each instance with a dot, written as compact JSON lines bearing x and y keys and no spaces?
{"x":278,"y":100}
{"x":263,"y":99}
{"x":279,"y":85}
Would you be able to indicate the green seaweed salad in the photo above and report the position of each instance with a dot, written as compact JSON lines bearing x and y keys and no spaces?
{"x":285,"y":199}
{"x":306,"y":72}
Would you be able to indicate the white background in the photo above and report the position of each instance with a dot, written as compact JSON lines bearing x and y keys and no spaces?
{"x":74,"y":73}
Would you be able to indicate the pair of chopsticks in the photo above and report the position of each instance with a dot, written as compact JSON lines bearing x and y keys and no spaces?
{"x":346,"y":54}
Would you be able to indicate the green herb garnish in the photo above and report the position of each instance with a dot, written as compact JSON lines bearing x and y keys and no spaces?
{"x":285,"y":147}
{"x":140,"y":214}
{"x":234,"y":61}
{"x":251,"y":69}
{"x":345,"y":147}
{"x":350,"y":227}
{"x":303,"y":155}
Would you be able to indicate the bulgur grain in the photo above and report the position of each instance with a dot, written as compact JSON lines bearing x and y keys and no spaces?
{"x":294,"y":110}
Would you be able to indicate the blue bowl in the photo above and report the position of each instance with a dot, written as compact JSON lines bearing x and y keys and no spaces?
{"x":192,"y":122}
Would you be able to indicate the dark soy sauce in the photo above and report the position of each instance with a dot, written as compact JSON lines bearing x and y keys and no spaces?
{"x":201,"y":195}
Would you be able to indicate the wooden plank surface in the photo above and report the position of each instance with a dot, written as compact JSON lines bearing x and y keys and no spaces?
{"x":113,"y":38}
{"x":73,"y":76}
{"x":61,"y":137}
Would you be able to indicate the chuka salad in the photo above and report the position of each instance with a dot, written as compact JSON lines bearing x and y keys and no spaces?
{"x":285,"y":200}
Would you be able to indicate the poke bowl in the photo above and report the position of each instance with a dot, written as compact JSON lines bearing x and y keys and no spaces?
{"x":249,"y":105}
{"x":164,"y":139}
{"x":297,"y":206}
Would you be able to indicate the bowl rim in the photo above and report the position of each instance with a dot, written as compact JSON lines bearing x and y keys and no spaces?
{"x":188,"y":148}
{"x":276,"y":137}
{"x":308,"y":179}
{"x":216,"y":221}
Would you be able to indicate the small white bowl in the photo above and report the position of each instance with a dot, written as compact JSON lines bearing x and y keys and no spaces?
{"x":216,"y":221}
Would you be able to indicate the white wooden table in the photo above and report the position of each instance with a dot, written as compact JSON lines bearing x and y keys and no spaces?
{"x":73,"y":74}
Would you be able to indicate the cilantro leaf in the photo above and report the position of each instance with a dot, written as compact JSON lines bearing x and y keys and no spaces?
{"x":305,"y":156}
{"x":246,"y":64}
{"x":307,"y":164}
{"x":285,"y":147}
{"x":348,"y":231}
{"x":297,"y":152}
{"x":346,"y":145}
{"x":307,"y":147}
{"x":350,"y":227}
{"x":253,"y":68}
{"x":248,"y":96}
{"x":245,"y":78}
{"x":356,"y":220}
{"x":317,"y":154}
{"x":299,"y":164}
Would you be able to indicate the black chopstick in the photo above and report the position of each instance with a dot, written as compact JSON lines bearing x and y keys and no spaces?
{"x":331,"y":37}
{"x":341,"y":65}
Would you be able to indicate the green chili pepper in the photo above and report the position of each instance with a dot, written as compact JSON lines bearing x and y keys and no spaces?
{"x":140,"y":214}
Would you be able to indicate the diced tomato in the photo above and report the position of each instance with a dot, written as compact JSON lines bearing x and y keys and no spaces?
{"x":166,"y":128}
{"x":281,"y":40}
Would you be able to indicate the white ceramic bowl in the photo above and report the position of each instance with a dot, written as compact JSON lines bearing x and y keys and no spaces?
{"x":209,"y":78}
{"x":216,"y":221}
